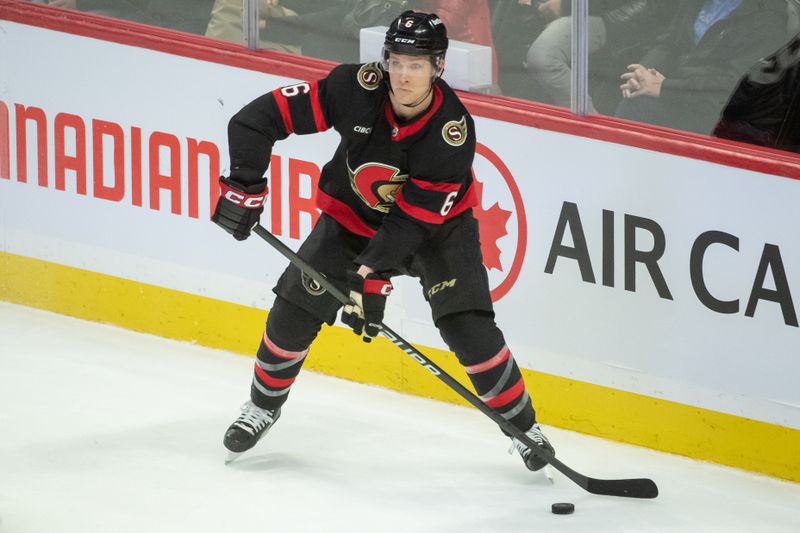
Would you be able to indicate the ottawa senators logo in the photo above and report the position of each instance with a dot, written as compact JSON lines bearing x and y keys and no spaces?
{"x":455,"y":132}
{"x":377,"y":184}
{"x":311,"y":285}
{"x":369,"y":76}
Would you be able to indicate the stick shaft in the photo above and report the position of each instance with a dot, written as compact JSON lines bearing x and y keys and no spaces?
{"x":633,"y":488}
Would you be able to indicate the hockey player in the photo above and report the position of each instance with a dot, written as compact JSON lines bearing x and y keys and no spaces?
{"x":396,"y":199}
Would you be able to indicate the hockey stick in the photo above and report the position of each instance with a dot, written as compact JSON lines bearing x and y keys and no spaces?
{"x":631,"y":488}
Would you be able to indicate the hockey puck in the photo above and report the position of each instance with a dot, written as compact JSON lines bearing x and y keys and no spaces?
{"x":562,"y":508}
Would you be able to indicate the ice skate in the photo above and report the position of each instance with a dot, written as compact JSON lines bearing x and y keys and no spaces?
{"x":245,"y":432}
{"x":531,"y":460}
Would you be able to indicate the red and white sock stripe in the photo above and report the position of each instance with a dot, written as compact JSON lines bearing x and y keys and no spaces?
{"x":491,"y":363}
{"x":277,"y":351}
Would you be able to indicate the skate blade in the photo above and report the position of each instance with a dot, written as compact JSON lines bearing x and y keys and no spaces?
{"x":232,"y":456}
{"x":548,"y":473}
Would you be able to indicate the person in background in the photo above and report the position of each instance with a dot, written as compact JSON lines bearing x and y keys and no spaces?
{"x":326,"y":30}
{"x":687,"y":78}
{"x":765,"y":107}
{"x":190,"y":16}
{"x":612,"y":24}
{"x":468,"y":21}
{"x":515,"y":25}
{"x":226,"y":23}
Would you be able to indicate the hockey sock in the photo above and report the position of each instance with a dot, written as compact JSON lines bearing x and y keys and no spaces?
{"x":481,"y":349}
{"x":284,"y":346}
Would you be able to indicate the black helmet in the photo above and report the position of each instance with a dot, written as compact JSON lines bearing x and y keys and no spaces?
{"x":416,"y":34}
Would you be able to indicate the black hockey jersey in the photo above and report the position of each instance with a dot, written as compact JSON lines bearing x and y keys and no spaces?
{"x":393,"y":182}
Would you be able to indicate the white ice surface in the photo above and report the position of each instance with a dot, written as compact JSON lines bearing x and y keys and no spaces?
{"x":105,"y":430}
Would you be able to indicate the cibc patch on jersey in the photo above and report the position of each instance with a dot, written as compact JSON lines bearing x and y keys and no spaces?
{"x":370,"y":76}
{"x":455,"y":131}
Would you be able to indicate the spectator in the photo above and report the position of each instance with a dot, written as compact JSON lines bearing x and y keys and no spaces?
{"x":515,"y":25}
{"x":765,"y":107}
{"x":327,"y":30}
{"x":686,"y":79}
{"x":613,"y":24}
{"x":184,"y":15}
{"x":226,"y":23}
{"x":315,"y":35}
{"x":304,"y":26}
{"x":122,"y":9}
{"x":190,"y":16}
{"x":467,"y":21}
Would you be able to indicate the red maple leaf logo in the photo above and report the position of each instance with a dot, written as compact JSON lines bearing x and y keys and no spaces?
{"x":492,"y":227}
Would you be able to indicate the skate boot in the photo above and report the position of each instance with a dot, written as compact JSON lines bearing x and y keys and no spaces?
{"x":531,"y":460}
{"x":245,"y":432}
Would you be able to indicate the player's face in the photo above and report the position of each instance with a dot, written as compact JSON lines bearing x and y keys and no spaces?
{"x":410,"y":77}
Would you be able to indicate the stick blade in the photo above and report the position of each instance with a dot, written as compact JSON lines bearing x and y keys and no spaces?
{"x":627,"y":488}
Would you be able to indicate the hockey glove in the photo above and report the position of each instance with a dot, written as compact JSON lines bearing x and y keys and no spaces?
{"x":239,"y":206}
{"x":368,"y":294}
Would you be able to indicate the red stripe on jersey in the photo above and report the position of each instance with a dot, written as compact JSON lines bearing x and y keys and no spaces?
{"x":280,"y":352}
{"x":505,"y":398}
{"x":418,"y":212}
{"x":269,"y":381}
{"x":316,"y":108}
{"x":343,"y":214}
{"x":283,"y":107}
{"x":469,"y":200}
{"x":494,"y":362}
{"x":438,"y":187}
{"x":405,"y":131}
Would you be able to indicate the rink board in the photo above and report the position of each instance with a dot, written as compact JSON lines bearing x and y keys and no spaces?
{"x":640,"y":352}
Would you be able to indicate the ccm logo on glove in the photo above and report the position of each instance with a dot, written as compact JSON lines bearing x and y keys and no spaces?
{"x":240,"y":205}
{"x":251,"y":201}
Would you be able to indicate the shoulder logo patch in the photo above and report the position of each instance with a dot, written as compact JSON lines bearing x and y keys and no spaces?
{"x":370,"y":76}
{"x":455,"y":132}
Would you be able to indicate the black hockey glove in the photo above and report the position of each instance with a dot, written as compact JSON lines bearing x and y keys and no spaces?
{"x":239,"y":206}
{"x":369,"y":296}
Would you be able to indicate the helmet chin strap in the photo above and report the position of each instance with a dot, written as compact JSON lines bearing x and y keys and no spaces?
{"x":424,"y":97}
